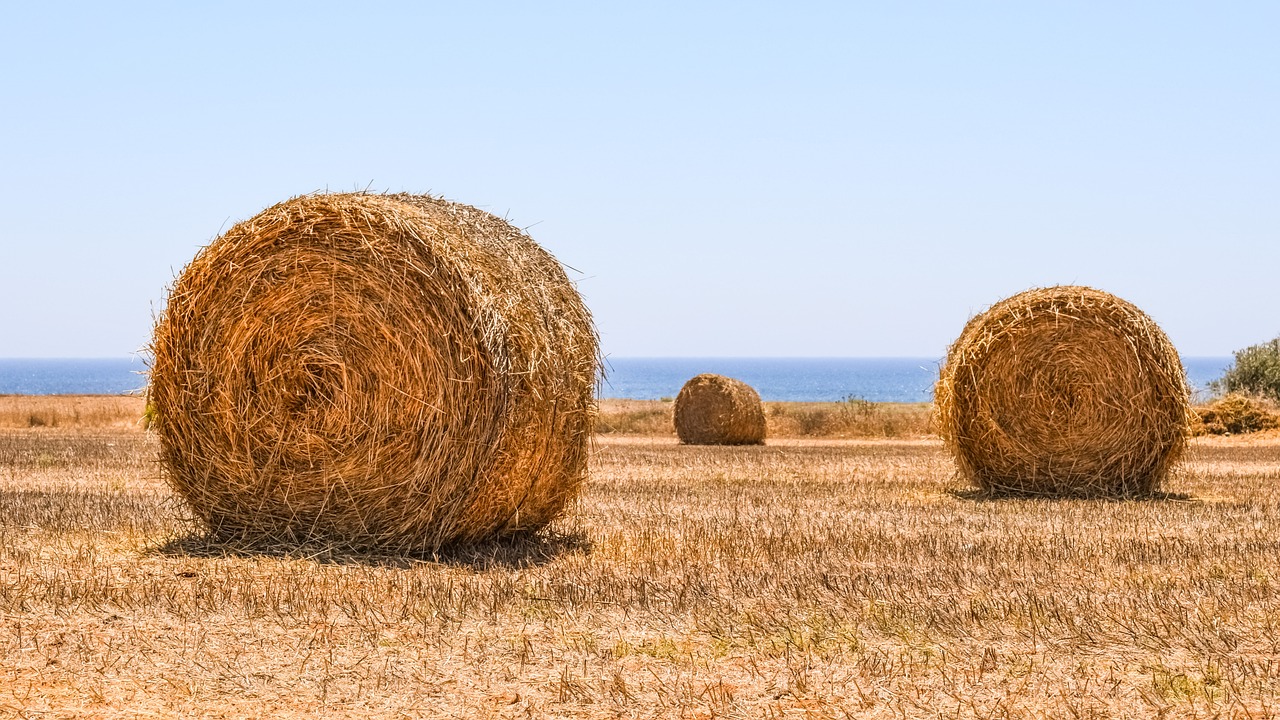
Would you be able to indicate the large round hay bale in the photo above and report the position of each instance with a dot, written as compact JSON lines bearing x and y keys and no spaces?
{"x":717,"y":410}
{"x":1064,"y":390}
{"x":387,"y":371}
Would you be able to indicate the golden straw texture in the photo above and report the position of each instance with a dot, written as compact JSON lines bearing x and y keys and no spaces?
{"x":1235,"y":414}
{"x":384,"y":371}
{"x":1064,"y":390}
{"x":717,"y":410}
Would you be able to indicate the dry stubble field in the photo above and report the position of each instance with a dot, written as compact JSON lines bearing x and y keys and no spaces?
{"x":807,"y":578}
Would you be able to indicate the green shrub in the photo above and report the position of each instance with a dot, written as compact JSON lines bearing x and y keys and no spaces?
{"x":1256,"y":372}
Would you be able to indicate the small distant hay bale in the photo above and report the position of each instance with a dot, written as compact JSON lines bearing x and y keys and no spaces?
{"x":391,"y":372}
{"x":717,"y":410}
{"x":1065,"y":390}
{"x":1235,"y":414}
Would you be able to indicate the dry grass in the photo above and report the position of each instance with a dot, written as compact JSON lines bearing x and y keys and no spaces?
{"x":636,"y":417}
{"x":805,"y":578}
{"x":390,"y":371}
{"x":851,"y":418}
{"x":70,"y":411}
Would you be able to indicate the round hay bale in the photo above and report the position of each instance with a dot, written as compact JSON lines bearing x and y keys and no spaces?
{"x":379,"y":371}
{"x":1063,"y":390}
{"x":717,"y":410}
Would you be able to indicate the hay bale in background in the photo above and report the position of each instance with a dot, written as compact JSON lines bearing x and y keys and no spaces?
{"x":1064,"y":390}
{"x":717,"y":410}
{"x":382,"y":371}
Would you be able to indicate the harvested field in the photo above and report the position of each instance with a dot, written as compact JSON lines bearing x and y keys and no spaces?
{"x":807,"y":578}
{"x":71,"y":411}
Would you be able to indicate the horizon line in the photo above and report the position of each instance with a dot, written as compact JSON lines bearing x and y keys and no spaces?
{"x":606,"y":358}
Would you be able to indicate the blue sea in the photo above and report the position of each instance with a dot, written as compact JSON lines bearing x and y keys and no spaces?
{"x":803,"y":379}
{"x":815,"y":379}
{"x":100,"y":376}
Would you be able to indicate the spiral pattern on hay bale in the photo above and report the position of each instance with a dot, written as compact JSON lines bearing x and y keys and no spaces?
{"x":386,"y":371}
{"x":1064,"y":390}
{"x":717,"y":410}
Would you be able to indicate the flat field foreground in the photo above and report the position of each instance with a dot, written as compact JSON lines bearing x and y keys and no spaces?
{"x":806,"y":578}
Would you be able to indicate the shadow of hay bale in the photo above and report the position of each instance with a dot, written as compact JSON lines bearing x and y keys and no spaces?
{"x":526,"y":550}
{"x":1000,"y":495}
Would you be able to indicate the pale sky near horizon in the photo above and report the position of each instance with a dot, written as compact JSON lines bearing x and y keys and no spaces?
{"x":730,"y":179}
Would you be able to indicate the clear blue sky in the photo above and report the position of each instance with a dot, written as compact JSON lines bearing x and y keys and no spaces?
{"x":731,"y":179}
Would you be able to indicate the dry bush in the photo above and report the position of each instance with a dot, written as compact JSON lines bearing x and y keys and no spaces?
{"x":1235,"y":414}
{"x":390,"y":371}
{"x":70,"y":411}
{"x":851,"y":418}
{"x":634,"y":417}
{"x":1064,"y":390}
{"x":717,"y":410}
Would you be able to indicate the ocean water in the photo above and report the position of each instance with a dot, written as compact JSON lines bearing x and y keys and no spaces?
{"x":816,"y":379}
{"x":803,"y":379}
{"x":100,"y":376}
